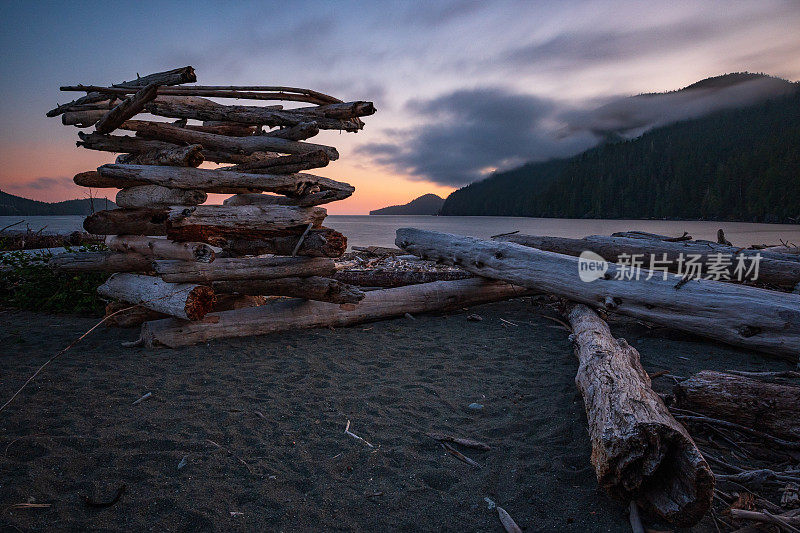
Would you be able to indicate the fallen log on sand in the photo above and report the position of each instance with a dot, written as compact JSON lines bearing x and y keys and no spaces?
{"x":182,"y":300}
{"x":125,"y":315}
{"x":318,"y":242}
{"x":181,"y":156}
{"x":297,"y":314}
{"x":771,"y":408}
{"x":245,"y":268}
{"x":772,"y":269}
{"x":735,"y":314}
{"x":101,"y":262}
{"x":639,"y":451}
{"x":158,"y":196}
{"x":161,"y":248}
{"x":396,"y":278}
{"x":311,"y":288}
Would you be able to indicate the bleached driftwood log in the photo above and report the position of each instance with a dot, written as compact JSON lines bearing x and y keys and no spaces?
{"x":735,"y":314}
{"x":126,"y":109}
{"x":232,"y":129}
{"x":287,"y":164}
{"x":639,"y":451}
{"x":297,"y":314}
{"x":94,"y":180}
{"x":183,"y":300}
{"x":158,"y":196}
{"x":318,"y":242}
{"x":295,"y":185}
{"x":246,"y":268}
{"x":181,"y":156}
{"x":301,"y":132}
{"x":102,"y":261}
{"x":396,"y":278}
{"x":772,"y":408}
{"x":783,"y":272}
{"x":82,"y":119}
{"x":125,"y":315}
{"x":222,"y":143}
{"x":311,"y":288}
{"x":161,"y":248}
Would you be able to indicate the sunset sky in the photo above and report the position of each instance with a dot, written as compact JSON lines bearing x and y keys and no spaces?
{"x":461,"y":88}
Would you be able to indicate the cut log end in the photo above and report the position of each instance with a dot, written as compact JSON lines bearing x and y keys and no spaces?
{"x":199,"y":302}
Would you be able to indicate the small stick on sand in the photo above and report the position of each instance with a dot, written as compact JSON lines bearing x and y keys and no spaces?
{"x":460,"y":456}
{"x":508,"y":523}
{"x":143,"y":398}
{"x":469,"y":443}
{"x":635,"y":519}
{"x":348,"y":432}
{"x":509,"y":322}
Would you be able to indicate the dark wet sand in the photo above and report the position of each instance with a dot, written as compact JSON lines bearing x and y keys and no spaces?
{"x":277,"y":408}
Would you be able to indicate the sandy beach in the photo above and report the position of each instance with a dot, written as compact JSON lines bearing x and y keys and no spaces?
{"x":248,"y":434}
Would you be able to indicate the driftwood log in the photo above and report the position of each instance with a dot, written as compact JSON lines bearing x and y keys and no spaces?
{"x":735,"y":314}
{"x":222,"y":143}
{"x":298,"y":314}
{"x":125,"y":315}
{"x":92,"y":178}
{"x":639,"y":451}
{"x":396,"y":278}
{"x":182,"y":300}
{"x":783,"y":272}
{"x":318,"y":242}
{"x":231,"y":129}
{"x":229,"y":302}
{"x":103,"y":261}
{"x":161,"y":248}
{"x":126,"y":109}
{"x":181,"y":156}
{"x":121,"y":143}
{"x":310,"y":288}
{"x":82,"y":119}
{"x":772,"y":408}
{"x":245,"y":268}
{"x":287,"y":164}
{"x":301,"y":132}
{"x":127,"y":222}
{"x":158,"y":196}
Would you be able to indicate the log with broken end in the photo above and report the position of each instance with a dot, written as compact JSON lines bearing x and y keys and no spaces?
{"x":639,"y":451}
{"x":102,"y":261}
{"x":158,"y":196}
{"x":182,"y":300}
{"x":317,"y":242}
{"x":298,"y":314}
{"x":126,"y":109}
{"x":82,"y":119}
{"x":179,"y":156}
{"x":169,"y":77}
{"x":153,"y":248}
{"x":316,"y":288}
{"x":247,"y":268}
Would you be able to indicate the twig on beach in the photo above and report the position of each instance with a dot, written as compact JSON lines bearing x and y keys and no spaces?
{"x":143,"y":398}
{"x":11,"y":225}
{"x":469,"y":443}
{"x":460,"y":456}
{"x":563,"y":324}
{"x":508,"y":523}
{"x":509,"y":322}
{"x":348,"y":432}
{"x":504,"y":234}
{"x":658,"y":374}
{"x":635,"y":519}
{"x":30,"y":506}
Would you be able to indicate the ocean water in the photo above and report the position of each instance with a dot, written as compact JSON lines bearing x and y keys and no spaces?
{"x":366,"y":230}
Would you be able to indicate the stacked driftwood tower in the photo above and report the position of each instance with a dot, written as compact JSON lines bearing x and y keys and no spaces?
{"x":214,"y":257}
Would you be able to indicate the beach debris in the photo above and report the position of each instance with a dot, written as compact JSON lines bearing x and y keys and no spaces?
{"x":409,"y":316}
{"x":468,"y":443}
{"x":790,"y":498}
{"x":183,"y":462}
{"x":375,"y":494}
{"x":489,"y":503}
{"x":143,"y":398}
{"x":30,"y":506}
{"x":236,"y":513}
{"x":634,"y":518}
{"x":474,"y":318}
{"x":348,"y":432}
{"x":91,"y":502}
{"x":475,"y":406}
{"x":460,"y":456}
{"x":508,"y":523}
{"x":504,"y":321}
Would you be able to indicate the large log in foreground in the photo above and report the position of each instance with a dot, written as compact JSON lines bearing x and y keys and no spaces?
{"x":182,"y":300}
{"x":161,"y":248}
{"x":245,"y":268}
{"x":639,"y":451}
{"x":310,"y":288}
{"x":735,"y":314}
{"x":771,"y":408}
{"x":298,"y":314}
{"x":772,"y":269}
{"x":318,"y":242}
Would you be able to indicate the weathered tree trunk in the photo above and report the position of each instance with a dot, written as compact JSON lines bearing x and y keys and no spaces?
{"x":158,"y":196}
{"x":222,"y":143}
{"x":396,"y":278}
{"x":768,"y":407}
{"x":311,"y":288}
{"x":82,"y":119}
{"x":181,"y":156}
{"x":295,"y":185}
{"x":301,"y":132}
{"x":169,"y":77}
{"x":249,"y":268}
{"x":287,"y":164}
{"x":340,"y":110}
{"x":90,"y":98}
{"x":126,"y":109}
{"x":673,"y":256}
{"x":227,"y":157}
{"x":231,"y":129}
{"x":308,"y":200}
{"x":94,"y":180}
{"x":127,"y":316}
{"x":161,"y":248}
{"x":297,"y":314}
{"x":121,"y":143}
{"x":192,"y":107}
{"x":739,"y":315}
{"x":139,"y":221}
{"x":318,"y":242}
{"x":101,"y":262}
{"x":181,"y":300}
{"x":639,"y":451}
{"x":653,"y":236}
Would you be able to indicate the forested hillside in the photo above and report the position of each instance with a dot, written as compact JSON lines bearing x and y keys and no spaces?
{"x":741,"y":164}
{"x":11,"y":205}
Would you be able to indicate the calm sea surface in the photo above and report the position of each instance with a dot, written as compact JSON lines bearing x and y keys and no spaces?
{"x":365,"y":230}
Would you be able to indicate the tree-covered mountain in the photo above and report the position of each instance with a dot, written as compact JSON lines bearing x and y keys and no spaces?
{"x":427,"y":204}
{"x":737,"y":164}
{"x":11,"y":205}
